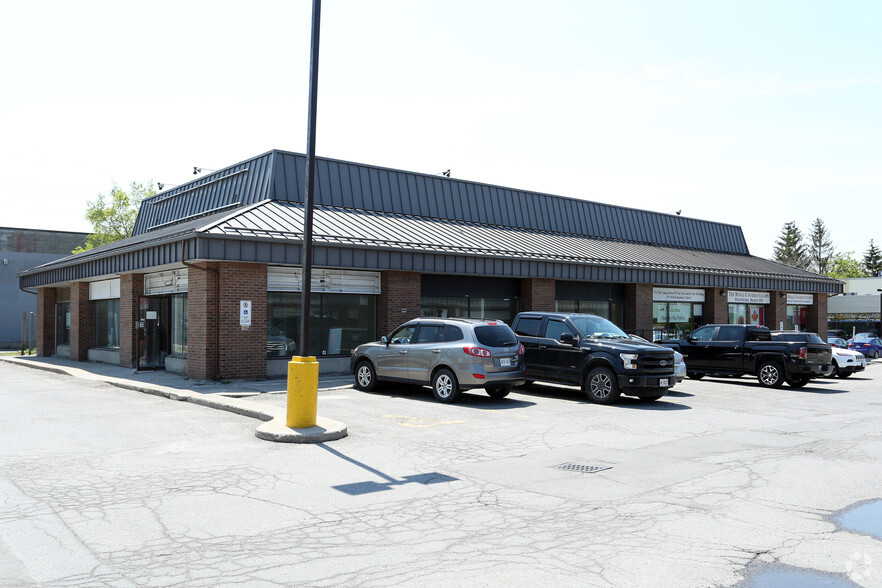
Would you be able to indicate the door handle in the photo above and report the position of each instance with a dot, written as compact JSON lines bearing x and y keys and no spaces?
{"x":402,"y":352}
{"x":436,"y":351}
{"x":543,"y":347}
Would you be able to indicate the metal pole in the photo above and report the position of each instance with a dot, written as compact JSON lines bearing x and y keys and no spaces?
{"x":24,"y":330}
{"x":310,"y":179}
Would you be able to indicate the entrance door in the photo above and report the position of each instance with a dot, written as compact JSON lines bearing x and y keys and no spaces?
{"x":153,"y":341}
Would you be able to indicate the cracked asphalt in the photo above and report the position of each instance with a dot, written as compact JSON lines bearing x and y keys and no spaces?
{"x":104,"y":486}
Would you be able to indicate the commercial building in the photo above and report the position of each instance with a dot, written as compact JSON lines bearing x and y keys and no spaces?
{"x":21,"y":249}
{"x":209,"y":284}
{"x":859,"y":308}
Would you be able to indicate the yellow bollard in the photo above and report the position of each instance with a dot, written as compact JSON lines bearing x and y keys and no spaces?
{"x":302,"y":392}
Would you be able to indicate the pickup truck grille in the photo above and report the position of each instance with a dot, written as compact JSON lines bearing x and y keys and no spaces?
{"x":653,"y":362}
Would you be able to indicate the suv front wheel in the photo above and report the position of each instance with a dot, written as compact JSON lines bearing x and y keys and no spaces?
{"x":445,"y":387}
{"x":601,"y":386}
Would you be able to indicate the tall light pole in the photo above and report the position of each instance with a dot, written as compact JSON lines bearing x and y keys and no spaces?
{"x":880,"y":310}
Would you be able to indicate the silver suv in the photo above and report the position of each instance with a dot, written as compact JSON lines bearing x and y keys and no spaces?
{"x":451,"y":355}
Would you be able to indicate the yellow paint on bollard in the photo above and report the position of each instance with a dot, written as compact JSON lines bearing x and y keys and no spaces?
{"x":302,"y":392}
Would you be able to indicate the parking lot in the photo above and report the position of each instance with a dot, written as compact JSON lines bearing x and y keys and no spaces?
{"x":718,"y":480}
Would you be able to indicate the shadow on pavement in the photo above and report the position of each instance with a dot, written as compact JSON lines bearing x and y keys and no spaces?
{"x":475,"y":398}
{"x":816,"y":386}
{"x":576,"y":394}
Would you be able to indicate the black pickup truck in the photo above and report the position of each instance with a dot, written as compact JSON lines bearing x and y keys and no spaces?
{"x":588,"y":350}
{"x":734,"y":350}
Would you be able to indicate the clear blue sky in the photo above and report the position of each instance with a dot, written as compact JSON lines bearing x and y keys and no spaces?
{"x":749,"y":113}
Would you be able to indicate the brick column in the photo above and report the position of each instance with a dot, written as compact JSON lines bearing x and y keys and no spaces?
{"x":399,"y":300}
{"x":242,"y":350}
{"x":46,"y":299}
{"x":131,"y":288}
{"x":538,"y":294}
{"x":776,"y":311}
{"x":716,"y":305}
{"x":201,"y":321}
{"x":82,"y":333}
{"x":638,"y":309}
{"x":817,"y":316}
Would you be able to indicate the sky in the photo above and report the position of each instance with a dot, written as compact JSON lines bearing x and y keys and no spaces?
{"x":752,"y":113}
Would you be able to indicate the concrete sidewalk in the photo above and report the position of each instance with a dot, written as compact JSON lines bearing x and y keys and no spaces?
{"x":229,"y":396}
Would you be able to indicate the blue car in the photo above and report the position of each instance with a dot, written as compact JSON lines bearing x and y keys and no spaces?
{"x":869,"y":346}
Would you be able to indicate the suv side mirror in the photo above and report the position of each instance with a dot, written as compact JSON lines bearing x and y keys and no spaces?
{"x":384,"y":340}
{"x":568,"y":338}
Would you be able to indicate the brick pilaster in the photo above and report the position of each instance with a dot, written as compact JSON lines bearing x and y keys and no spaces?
{"x":399,"y":300}
{"x":82,"y":333}
{"x":716,"y":305}
{"x":46,"y":299}
{"x":201,"y":321}
{"x":817,"y":315}
{"x":242,"y":351}
{"x":131,"y":288}
{"x":776,"y":311}
{"x":638,"y":309}
{"x":538,"y":294}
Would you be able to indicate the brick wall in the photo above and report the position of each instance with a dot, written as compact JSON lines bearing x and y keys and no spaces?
{"x":46,"y":299}
{"x":638,"y":309}
{"x":817,"y":316}
{"x":399,"y":300}
{"x":201,"y":306}
{"x":242,"y":351}
{"x":776,"y":310}
{"x":716,"y":306}
{"x":131,"y":288}
{"x":538,"y":294}
{"x":82,"y":332}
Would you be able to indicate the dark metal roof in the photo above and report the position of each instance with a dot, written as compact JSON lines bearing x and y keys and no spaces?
{"x":271,"y":232}
{"x":278,"y":175}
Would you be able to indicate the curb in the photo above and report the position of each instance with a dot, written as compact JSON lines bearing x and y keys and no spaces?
{"x":272,"y":429}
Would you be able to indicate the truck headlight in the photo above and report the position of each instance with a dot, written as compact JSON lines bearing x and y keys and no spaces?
{"x":629,"y":360}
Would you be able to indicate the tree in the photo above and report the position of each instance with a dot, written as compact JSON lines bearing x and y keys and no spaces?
{"x":873,"y":260}
{"x":844,"y":265}
{"x":790,"y":249}
{"x":820,"y":247}
{"x":114,"y":220}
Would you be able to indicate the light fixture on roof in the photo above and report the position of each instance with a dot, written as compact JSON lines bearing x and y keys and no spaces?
{"x":199,"y":170}
{"x":678,"y":212}
{"x":445,"y":173}
{"x":162,"y":186}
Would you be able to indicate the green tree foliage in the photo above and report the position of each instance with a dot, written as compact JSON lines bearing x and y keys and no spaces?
{"x":873,"y":260}
{"x":113,"y":218}
{"x":790,"y":249}
{"x":820,"y":247}
{"x":844,"y":265}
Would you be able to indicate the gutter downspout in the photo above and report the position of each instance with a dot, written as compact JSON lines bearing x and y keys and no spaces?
{"x":216,"y":308}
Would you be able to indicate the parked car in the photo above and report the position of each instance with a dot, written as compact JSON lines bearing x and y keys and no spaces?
{"x":847,"y":362}
{"x":837,"y":333}
{"x":869,"y":346}
{"x":735,"y":350}
{"x":837,"y":342}
{"x":589,"y":351}
{"x":448,"y":354}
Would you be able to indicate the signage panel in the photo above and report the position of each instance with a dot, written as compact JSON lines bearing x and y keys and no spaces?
{"x":677,"y":295}
{"x":800,"y":299}
{"x":744,"y":297}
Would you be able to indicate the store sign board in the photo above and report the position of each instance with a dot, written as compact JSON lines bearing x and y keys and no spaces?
{"x":677,"y":295}
{"x":245,"y":313}
{"x":800,"y":299}
{"x":742,"y":297}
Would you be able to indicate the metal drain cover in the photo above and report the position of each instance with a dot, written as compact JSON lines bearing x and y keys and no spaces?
{"x":582,"y":468}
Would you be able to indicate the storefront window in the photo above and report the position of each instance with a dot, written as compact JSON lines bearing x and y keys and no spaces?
{"x":503,"y":309}
{"x":338,"y":322}
{"x":179,"y":324}
{"x":106,"y":322}
{"x":672,"y":318}
{"x":797,"y":318}
{"x":747,"y":314}
{"x":604,"y":300}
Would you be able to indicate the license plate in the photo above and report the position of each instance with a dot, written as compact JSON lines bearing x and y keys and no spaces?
{"x":663,"y":382}
{"x":504,"y":362}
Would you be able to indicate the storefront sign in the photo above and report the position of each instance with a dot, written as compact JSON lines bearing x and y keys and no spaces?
{"x":244,"y":313}
{"x":742,"y":297}
{"x":677,"y":295}
{"x":800,"y":299}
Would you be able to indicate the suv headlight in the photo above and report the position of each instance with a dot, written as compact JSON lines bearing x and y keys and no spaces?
{"x":629,"y":360}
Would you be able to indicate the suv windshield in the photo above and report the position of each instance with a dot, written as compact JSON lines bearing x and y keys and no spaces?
{"x":495,"y":336}
{"x":595,"y":327}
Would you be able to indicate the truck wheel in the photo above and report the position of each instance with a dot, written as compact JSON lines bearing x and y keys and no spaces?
{"x":601,"y":386}
{"x":798,"y":382}
{"x":445,"y":387}
{"x":770,"y":374}
{"x":835,"y":373}
{"x":694,"y":376}
{"x":365,"y":376}
{"x":498,"y":391}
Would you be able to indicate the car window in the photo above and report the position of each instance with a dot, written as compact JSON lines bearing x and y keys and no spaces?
{"x":529,"y":326}
{"x":598,"y":327}
{"x":755,"y":335}
{"x":453,"y":333}
{"x":430,"y":334}
{"x":703,"y":334}
{"x":402,"y":336}
{"x":729,"y":334}
{"x":555,"y":328}
{"x":495,"y":335}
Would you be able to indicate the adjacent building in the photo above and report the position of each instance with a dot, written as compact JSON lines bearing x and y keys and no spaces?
{"x":21,"y":249}
{"x":210,"y":282}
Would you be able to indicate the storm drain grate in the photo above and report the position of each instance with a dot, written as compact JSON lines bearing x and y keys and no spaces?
{"x":582,"y":468}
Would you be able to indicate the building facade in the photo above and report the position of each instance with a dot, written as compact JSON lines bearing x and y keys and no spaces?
{"x":21,"y":249}
{"x":210,"y":282}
